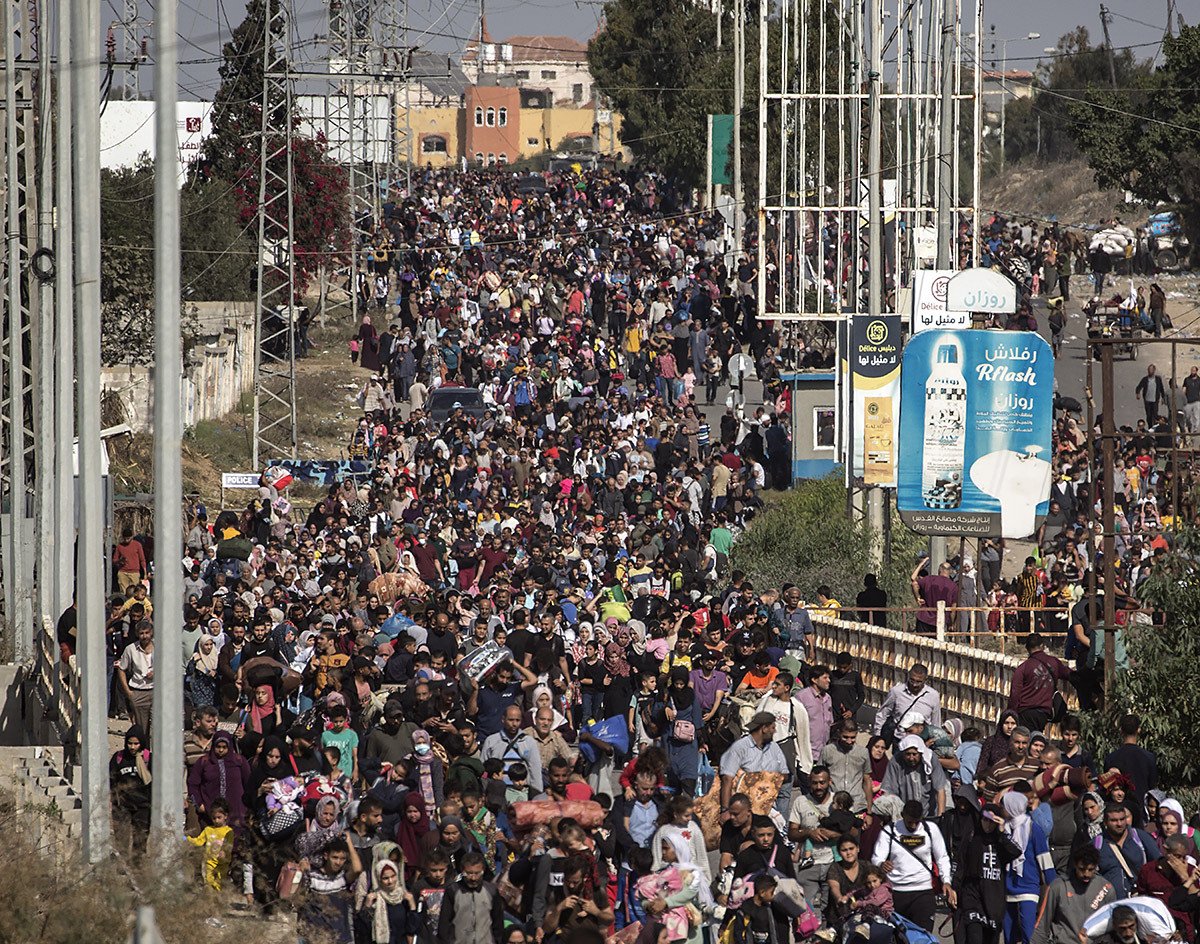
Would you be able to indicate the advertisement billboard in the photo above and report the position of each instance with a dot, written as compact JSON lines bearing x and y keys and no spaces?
{"x":929,"y":310}
{"x":875,"y":354}
{"x":976,"y":412}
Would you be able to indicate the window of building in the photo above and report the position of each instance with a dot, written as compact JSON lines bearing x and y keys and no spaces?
{"x":549,"y":74}
{"x":478,"y":117}
{"x":577,"y":92}
{"x":491,"y":159}
{"x":491,"y":117}
{"x":502,"y":158}
{"x":522,"y":73}
{"x":503,"y":117}
{"x":824,"y":427}
{"x":433,"y":144}
{"x":532,"y":142}
{"x":478,"y":157}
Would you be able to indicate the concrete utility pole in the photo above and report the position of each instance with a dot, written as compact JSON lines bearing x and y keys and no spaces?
{"x":1105,"y":17}
{"x":166,"y":804}
{"x":947,"y":255}
{"x":874,"y":498}
{"x":739,"y":95}
{"x":45,"y":472}
{"x":64,"y":325}
{"x":91,"y":649}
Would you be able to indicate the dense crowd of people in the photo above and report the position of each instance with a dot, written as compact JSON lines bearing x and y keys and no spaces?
{"x":505,"y":686}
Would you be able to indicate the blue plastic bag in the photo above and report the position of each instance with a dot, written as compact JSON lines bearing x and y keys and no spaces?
{"x":612,"y":731}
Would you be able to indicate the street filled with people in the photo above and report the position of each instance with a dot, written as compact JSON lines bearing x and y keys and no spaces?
{"x":505,"y":686}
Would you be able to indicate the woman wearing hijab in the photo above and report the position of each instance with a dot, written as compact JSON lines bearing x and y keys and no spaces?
{"x":426,"y":772}
{"x":321,"y":831}
{"x":202,"y":672}
{"x":129,"y":780}
{"x":913,"y":774}
{"x":274,"y":762}
{"x":995,"y":746}
{"x":384,"y":916}
{"x":264,"y":716}
{"x":415,"y":835}
{"x":1029,"y":872}
{"x":222,"y":772}
{"x":979,"y":879}
{"x":1171,"y":822}
{"x":1091,"y":818}
{"x":666,"y":892}
{"x":618,"y":692}
{"x":543,"y":697}
{"x":680,"y":721}
{"x":456,"y":842}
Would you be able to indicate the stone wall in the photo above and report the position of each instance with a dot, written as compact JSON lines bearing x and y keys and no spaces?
{"x":220,"y":369}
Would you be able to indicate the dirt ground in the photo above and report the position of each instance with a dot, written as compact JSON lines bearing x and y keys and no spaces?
{"x":327,"y":385}
{"x":1063,"y":191}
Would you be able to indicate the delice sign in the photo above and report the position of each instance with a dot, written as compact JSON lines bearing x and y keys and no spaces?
{"x":929,"y":309}
{"x":875,"y":352}
{"x":975,"y":421}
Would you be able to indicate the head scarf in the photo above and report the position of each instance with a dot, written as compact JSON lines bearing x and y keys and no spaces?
{"x":259,"y":712}
{"x":681,"y":700}
{"x":1019,"y":826}
{"x":381,"y":931}
{"x":141,"y":759}
{"x":889,"y":806}
{"x":559,"y":719}
{"x":410,"y":835}
{"x":911,"y":718}
{"x":614,"y":660}
{"x":462,"y":845}
{"x":912,"y":740}
{"x":207,"y":661}
{"x":1093,"y":826}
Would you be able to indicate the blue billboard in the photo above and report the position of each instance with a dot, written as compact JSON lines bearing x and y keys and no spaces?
{"x":976,"y":413}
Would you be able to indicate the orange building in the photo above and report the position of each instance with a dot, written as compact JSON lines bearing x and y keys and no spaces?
{"x":493,"y":124}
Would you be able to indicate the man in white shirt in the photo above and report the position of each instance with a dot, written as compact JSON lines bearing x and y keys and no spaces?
{"x":910,"y":851}
{"x":791,"y":732}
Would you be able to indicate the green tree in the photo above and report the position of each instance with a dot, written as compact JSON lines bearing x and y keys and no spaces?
{"x":1040,"y":125}
{"x":805,"y":538}
{"x":1146,"y":138}
{"x":230,"y":156}
{"x":660,"y":66}
{"x":1161,"y":661}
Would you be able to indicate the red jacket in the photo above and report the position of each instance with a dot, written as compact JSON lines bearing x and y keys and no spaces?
{"x":1033,"y":683}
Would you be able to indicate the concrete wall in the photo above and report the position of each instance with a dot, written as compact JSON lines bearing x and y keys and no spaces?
{"x":220,"y":369}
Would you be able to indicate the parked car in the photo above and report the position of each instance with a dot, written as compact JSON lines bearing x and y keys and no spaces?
{"x":445,"y":400}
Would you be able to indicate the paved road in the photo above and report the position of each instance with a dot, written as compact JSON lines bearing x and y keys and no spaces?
{"x":1071,"y":368}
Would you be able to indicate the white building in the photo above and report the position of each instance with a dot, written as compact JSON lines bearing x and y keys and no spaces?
{"x":555,"y":64}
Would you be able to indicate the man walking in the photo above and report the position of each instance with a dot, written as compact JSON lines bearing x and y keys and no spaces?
{"x":1151,"y":392}
{"x":472,"y":909}
{"x":1033,"y":684}
{"x":512,"y":746}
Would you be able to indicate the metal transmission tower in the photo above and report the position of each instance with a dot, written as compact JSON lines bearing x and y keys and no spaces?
{"x":349,"y":114}
{"x":134,"y":47}
{"x":17,"y":436}
{"x":275,"y":311}
{"x":394,"y":67}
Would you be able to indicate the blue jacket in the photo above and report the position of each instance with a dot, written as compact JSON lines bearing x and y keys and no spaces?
{"x":1139,"y":848}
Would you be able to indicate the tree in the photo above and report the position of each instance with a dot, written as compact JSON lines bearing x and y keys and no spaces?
{"x":1040,"y":125}
{"x":1146,"y":138}
{"x":805,"y":538}
{"x":1160,"y":656}
{"x":230,"y":157}
{"x":660,"y":66}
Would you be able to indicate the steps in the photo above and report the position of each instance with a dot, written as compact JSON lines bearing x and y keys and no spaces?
{"x":47,"y":802}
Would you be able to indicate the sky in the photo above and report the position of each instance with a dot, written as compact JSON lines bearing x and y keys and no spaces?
{"x":444,"y":25}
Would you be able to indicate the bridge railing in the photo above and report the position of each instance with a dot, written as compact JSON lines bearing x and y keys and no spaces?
{"x":973,"y":683}
{"x":57,"y":686}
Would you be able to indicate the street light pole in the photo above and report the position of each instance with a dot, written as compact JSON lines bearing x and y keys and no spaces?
{"x":1004,"y":76}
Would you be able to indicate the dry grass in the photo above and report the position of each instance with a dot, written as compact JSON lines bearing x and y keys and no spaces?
{"x":44,"y":902}
{"x":1065,"y":191}
{"x":326,"y":388}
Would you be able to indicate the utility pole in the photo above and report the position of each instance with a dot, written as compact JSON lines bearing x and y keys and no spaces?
{"x":166,"y":805}
{"x":1108,"y":434}
{"x":1105,"y":17}
{"x":739,"y":94}
{"x":91,"y":651}
{"x":874,"y":500}
{"x":947,"y":256}
{"x":45,"y":470}
{"x":64,"y":324}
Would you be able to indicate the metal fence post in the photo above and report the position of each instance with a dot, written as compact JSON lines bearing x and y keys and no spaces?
{"x":941,"y":621}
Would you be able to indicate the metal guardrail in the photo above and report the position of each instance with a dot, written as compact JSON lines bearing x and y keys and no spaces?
{"x":57,"y":686}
